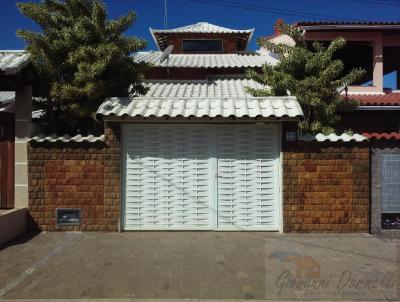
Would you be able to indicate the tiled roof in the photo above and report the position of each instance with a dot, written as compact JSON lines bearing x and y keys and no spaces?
{"x":13,"y":61}
{"x":387,"y":99}
{"x":202,"y":27}
{"x":66,"y":138}
{"x":311,"y":23}
{"x":308,"y":137}
{"x":206,"y":60}
{"x":6,"y":97}
{"x":382,"y":136}
{"x":160,"y":36}
{"x":215,"y":88}
{"x":7,"y":104}
{"x":144,"y":107}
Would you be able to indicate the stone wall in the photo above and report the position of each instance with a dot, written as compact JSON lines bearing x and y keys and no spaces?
{"x":378,"y":150}
{"x":76,"y":175}
{"x":325,"y":188}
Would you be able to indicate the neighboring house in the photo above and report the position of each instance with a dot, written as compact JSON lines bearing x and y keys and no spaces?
{"x":6,"y":150}
{"x":15,"y":126}
{"x":374,"y":46}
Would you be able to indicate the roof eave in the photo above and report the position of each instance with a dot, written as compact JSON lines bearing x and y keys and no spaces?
{"x":154,"y":37}
{"x":250,"y":37}
{"x":378,"y":107}
{"x":336,"y":27}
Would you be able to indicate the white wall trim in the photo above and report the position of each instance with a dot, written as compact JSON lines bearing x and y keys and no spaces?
{"x":280,"y":180}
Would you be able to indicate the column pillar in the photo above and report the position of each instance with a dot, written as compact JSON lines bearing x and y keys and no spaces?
{"x":23,"y":117}
{"x":378,"y":63}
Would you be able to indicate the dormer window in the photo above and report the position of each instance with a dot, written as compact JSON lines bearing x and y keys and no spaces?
{"x":202,"y":45}
{"x":203,"y":38}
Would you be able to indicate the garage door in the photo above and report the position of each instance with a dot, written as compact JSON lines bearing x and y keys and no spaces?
{"x":200,"y":177}
{"x":247,"y":177}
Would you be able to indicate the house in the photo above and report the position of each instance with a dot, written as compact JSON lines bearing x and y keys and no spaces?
{"x":374,"y":46}
{"x":15,"y":127}
{"x":198,"y":153}
{"x":207,"y":152}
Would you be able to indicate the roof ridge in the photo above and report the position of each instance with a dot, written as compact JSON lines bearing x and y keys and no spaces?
{"x":196,"y":25}
{"x":14,"y":50}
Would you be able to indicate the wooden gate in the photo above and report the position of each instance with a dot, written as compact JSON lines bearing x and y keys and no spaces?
{"x":6,"y":160}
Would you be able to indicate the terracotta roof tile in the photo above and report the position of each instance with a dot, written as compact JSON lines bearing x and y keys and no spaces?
{"x":388,"y":99}
{"x":382,"y":135}
{"x":311,"y":23}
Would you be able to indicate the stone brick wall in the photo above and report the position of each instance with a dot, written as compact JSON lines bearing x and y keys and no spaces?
{"x":76,"y":175}
{"x":378,"y":150}
{"x":325,"y":188}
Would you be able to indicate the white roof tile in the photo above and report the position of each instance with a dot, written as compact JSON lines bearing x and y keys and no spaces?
{"x":13,"y":61}
{"x":6,"y":97}
{"x":201,"y":107}
{"x":253,"y":59}
{"x":66,"y":138}
{"x":308,"y":137}
{"x":202,"y":27}
{"x":214,"y":88}
{"x":7,"y":104}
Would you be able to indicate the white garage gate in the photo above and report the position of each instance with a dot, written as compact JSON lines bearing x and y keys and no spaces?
{"x":200,"y":177}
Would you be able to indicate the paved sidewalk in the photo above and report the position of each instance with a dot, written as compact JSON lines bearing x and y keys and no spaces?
{"x":200,"y":265}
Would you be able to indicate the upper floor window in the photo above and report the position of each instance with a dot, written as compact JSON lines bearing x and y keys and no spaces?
{"x":202,"y":45}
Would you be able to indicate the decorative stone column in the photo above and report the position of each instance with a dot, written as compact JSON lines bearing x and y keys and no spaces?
{"x":23,"y":117}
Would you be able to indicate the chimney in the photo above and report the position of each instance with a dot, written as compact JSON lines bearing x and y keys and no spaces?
{"x":278,"y":23}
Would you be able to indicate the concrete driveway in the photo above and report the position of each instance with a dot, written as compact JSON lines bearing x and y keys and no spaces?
{"x":204,"y":265}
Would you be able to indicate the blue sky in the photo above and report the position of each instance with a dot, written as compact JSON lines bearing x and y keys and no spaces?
{"x":183,"y":12}
{"x":238,"y":14}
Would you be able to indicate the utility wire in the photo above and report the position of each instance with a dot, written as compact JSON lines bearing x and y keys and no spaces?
{"x":393,"y":4}
{"x":271,"y":10}
{"x":389,"y":1}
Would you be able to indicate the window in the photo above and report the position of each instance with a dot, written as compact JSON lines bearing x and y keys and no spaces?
{"x":202,"y":45}
{"x":356,"y":54}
